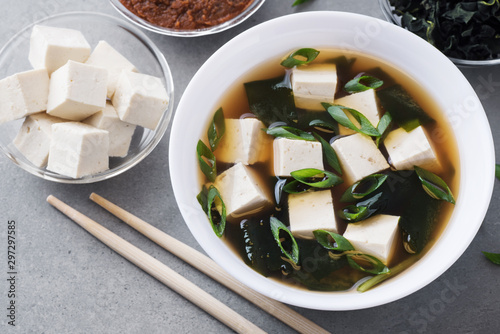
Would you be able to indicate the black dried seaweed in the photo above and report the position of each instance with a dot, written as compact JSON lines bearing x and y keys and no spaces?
{"x":461,"y":29}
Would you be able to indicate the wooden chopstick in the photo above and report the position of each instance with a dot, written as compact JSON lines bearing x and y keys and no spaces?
{"x":212,"y":269}
{"x":160,"y":271}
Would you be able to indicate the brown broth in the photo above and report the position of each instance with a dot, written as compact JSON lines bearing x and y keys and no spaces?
{"x":235,"y":104}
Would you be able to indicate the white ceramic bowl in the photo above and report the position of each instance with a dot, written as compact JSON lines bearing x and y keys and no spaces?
{"x":128,"y":40}
{"x":381,"y":39}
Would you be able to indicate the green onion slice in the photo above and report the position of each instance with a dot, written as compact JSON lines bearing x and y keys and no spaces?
{"x":338,"y":113}
{"x":295,"y":187}
{"x":493,"y":257}
{"x":206,"y":160}
{"x":216,"y":211}
{"x":319,"y":123}
{"x":366,"y":263}
{"x":434,"y":186}
{"x":276,"y":227}
{"x":333,"y":241}
{"x":329,"y":154}
{"x":308,"y":175}
{"x":216,"y":129}
{"x":202,"y":198}
{"x":363,"y":187}
{"x":362,"y":83}
{"x":370,"y":283}
{"x":354,"y":213}
{"x":289,"y":132}
{"x":299,"y":2}
{"x":307,"y":53}
{"x":497,"y":171}
{"x":383,"y":127}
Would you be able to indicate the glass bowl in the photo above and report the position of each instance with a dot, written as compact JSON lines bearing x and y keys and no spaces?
{"x":130,"y":42}
{"x":387,"y":10}
{"x":252,"y":8}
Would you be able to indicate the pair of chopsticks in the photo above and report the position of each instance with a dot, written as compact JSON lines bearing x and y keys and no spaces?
{"x":177,"y":282}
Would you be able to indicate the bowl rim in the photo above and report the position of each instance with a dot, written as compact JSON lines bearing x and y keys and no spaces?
{"x":385,"y":7}
{"x":159,"y":132}
{"x":390,"y":290}
{"x":245,"y":14}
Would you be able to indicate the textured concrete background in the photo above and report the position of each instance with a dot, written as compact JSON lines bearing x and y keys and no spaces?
{"x":69,"y":282}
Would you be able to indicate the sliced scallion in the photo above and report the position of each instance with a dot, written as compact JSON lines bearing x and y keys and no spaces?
{"x":206,"y":160}
{"x":295,"y":187}
{"x":299,"y":2}
{"x":296,"y":58}
{"x":202,"y":198}
{"x":276,"y":228}
{"x":363,"y":187}
{"x":329,"y":154}
{"x":354,"y":213}
{"x":383,"y":127}
{"x":216,"y":129}
{"x":338,"y":113}
{"x":434,"y":186}
{"x":493,"y":257}
{"x":366,"y":263}
{"x":497,"y":171}
{"x":216,"y":211}
{"x":309,"y":175}
{"x":322,"y":124}
{"x":370,"y":283}
{"x":289,"y":132}
{"x":362,"y":83}
{"x":332,"y":241}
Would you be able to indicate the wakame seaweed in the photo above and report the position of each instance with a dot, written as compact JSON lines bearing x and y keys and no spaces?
{"x":404,"y":110}
{"x":402,"y":195}
{"x":393,"y":196}
{"x":271,"y":100}
{"x":260,"y":250}
{"x":460,"y":29}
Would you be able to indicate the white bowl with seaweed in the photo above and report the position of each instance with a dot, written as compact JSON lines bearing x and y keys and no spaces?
{"x":247,"y":59}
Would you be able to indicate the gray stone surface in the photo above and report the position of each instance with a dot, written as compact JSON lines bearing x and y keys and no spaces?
{"x":69,"y":282}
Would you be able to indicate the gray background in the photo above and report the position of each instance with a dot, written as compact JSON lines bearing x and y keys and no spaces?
{"x":69,"y":282}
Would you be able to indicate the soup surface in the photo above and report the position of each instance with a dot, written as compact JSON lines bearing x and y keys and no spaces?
{"x":402,"y":194}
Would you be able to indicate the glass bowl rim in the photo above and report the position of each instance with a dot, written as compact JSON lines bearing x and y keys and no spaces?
{"x":159,"y":132}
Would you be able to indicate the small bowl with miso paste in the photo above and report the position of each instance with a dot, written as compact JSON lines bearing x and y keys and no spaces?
{"x":331,"y":167}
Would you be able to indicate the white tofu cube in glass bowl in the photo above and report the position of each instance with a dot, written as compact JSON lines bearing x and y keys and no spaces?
{"x":67,"y":68}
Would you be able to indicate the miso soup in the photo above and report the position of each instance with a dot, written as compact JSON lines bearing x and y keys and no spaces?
{"x":406,"y":208}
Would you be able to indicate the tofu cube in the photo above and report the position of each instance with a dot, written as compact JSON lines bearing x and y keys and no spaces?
{"x":359,"y":157}
{"x":317,"y":204}
{"x":408,"y":149}
{"x":243,"y":191}
{"x":244,"y":141}
{"x":376,"y":236}
{"x":120,"y":133}
{"x":313,"y":84}
{"x":364,"y":102}
{"x":52,"y":47}
{"x":104,"y":55}
{"x":23,"y":94}
{"x":140,"y":99}
{"x":291,"y":155}
{"x":77,"y":91}
{"x":78,"y":149}
{"x":33,"y":139}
